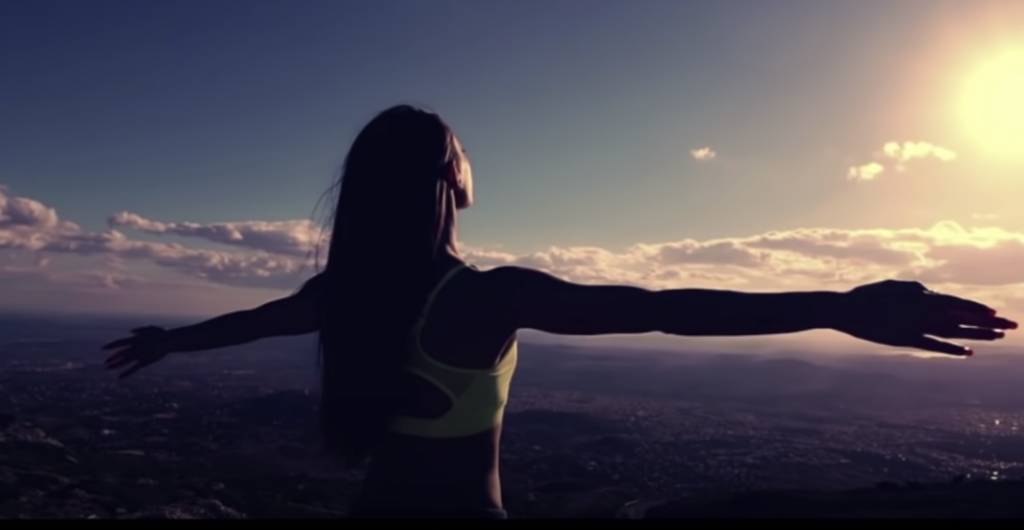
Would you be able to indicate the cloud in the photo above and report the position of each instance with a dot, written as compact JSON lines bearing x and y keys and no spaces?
{"x":28,"y":225}
{"x":869,"y":171}
{"x":291,"y":238}
{"x":274,"y":256}
{"x":896,"y":155}
{"x":19,"y":212}
{"x":703,"y":154}
{"x":908,"y":151}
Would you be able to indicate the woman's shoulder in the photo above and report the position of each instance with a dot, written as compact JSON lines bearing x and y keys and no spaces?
{"x":475,"y":279}
{"x":505,"y":280}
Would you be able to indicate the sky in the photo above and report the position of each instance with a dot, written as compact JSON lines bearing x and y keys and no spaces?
{"x":166,"y":157}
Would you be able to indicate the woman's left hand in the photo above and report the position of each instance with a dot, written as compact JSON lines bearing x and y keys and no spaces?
{"x":146,"y":346}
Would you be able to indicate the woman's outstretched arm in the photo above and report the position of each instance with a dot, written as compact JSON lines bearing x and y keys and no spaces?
{"x":545,"y":303}
{"x":292,"y":315}
{"x":894,"y":313}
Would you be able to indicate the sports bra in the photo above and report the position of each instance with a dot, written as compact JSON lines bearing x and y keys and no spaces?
{"x":478,"y":396}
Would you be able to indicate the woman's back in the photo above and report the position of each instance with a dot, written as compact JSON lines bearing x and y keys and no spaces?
{"x":441,"y":454}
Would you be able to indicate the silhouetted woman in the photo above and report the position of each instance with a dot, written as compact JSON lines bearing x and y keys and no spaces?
{"x":417,"y":348}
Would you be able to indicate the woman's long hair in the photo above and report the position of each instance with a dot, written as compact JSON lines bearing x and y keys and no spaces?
{"x":389,"y":223}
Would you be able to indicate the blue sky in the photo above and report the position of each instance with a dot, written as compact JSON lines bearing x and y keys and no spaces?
{"x":581,"y":118}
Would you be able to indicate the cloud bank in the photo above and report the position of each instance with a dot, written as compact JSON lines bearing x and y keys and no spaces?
{"x":276,"y":256}
{"x":287,"y":238}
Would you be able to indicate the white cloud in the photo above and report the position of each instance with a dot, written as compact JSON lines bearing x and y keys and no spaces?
{"x":703,"y":154}
{"x":293,"y":238}
{"x":31,"y":226}
{"x":896,"y":155}
{"x":869,"y":171}
{"x":908,"y":151}
{"x":19,"y":212}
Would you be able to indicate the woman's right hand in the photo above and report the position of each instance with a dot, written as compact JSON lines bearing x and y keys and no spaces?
{"x":146,"y":346}
{"x":909,"y":315}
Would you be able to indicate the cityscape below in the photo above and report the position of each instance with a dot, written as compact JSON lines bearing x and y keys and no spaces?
{"x":590,"y":432}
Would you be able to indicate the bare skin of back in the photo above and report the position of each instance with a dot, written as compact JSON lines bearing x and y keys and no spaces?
{"x":461,"y":331}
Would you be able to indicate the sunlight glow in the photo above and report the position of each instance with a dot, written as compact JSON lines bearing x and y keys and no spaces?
{"x":993,"y":104}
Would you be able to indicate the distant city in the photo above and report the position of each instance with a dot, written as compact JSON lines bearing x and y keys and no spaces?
{"x":588,"y":430}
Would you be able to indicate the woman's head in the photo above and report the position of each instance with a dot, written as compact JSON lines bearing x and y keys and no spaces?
{"x":405,"y":176}
{"x":406,"y":150}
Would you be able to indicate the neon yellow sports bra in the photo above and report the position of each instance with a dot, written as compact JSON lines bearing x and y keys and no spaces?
{"x":478,"y":396}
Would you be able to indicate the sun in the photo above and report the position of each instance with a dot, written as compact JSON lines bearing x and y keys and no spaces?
{"x":993,"y":104}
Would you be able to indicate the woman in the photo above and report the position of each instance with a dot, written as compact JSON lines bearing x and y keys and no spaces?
{"x":417,"y":348}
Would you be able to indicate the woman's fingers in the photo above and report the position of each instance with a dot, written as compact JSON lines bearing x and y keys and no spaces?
{"x":146,"y":329}
{"x":971,"y":313}
{"x":119,"y":343}
{"x":938,"y":346}
{"x":966,"y":333}
{"x":963,"y":305}
{"x":141,"y":359}
{"x":122,"y":358}
{"x":983,"y":321}
{"x":129,"y":354}
{"x":113,"y":365}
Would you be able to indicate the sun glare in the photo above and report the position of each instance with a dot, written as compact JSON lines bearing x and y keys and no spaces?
{"x":993,"y":104}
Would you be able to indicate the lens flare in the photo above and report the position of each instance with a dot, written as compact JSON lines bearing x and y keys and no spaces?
{"x":993,"y":104}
